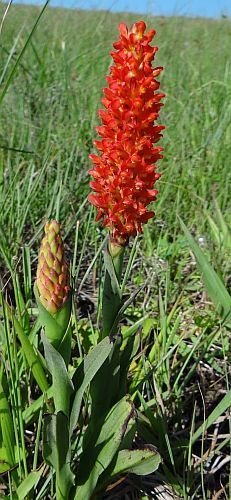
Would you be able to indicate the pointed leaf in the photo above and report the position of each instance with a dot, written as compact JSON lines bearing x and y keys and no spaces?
{"x":111,"y":270}
{"x":221,"y":408}
{"x":31,"y":412}
{"x":6,"y":428}
{"x":105,"y":449}
{"x":216,"y":289}
{"x":225,"y":229}
{"x":55,"y":325}
{"x":112,"y":295}
{"x":57,"y":451}
{"x":31,"y":356}
{"x":61,"y":382}
{"x":140,"y":462}
{"x":125,"y":304}
{"x":85,"y":373}
{"x":4,"y":462}
{"x":29,"y":483}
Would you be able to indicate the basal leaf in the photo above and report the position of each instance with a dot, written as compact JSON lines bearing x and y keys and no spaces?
{"x":140,"y":462}
{"x":105,"y":448}
{"x":57,"y":451}
{"x":61,"y":382}
{"x":85,"y":373}
{"x":29,"y":483}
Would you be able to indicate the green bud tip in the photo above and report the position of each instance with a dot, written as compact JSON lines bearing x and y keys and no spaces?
{"x":52,"y":273}
{"x":116,"y":246}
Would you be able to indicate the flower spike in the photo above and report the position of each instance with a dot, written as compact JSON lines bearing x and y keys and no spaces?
{"x":52,"y":272}
{"x":124,"y":171}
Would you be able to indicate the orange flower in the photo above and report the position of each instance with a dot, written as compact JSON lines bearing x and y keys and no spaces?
{"x":124,"y":172}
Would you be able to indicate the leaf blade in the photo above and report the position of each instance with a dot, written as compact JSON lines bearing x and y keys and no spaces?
{"x":85,"y":373}
{"x":212,"y":282}
{"x":108,"y":443}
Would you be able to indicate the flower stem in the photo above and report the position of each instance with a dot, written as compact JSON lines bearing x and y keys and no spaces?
{"x":111,"y":303}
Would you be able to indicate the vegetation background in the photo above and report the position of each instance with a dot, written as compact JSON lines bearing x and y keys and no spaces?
{"x":52,"y":71}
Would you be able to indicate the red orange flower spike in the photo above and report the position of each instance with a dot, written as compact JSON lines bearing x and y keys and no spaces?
{"x":124,"y":172}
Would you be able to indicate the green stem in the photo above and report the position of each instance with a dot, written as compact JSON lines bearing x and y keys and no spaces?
{"x":105,"y":385}
{"x":111,"y":292}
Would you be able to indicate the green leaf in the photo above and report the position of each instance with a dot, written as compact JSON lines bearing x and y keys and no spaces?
{"x":6,"y":427}
{"x":225,"y":229}
{"x":21,"y":53}
{"x":55,"y":325}
{"x":104,"y":391}
{"x":112,"y":273}
{"x":215,"y":230}
{"x":28,"y":350}
{"x":124,"y":305}
{"x":127,"y":331}
{"x":213,"y":283}
{"x":4,"y":462}
{"x":31,"y":412}
{"x":105,"y":448}
{"x":127,"y":354}
{"x":61,"y":382}
{"x":140,"y":462}
{"x":112,"y":295}
{"x":26,"y":261}
{"x":57,"y":452}
{"x":85,"y":373}
{"x":224,"y":404}
{"x":29,"y":483}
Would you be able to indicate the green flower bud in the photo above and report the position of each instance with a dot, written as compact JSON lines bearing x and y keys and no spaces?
{"x":52,"y":273}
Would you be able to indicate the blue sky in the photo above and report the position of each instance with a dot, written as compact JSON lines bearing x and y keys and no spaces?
{"x":207,"y":8}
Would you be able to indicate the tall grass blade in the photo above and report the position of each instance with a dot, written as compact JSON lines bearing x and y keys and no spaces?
{"x":12,"y":72}
{"x":215,"y":288}
{"x":221,"y":408}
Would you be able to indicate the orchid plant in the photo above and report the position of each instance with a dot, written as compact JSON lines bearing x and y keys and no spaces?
{"x":86,"y":455}
{"x":94,"y":400}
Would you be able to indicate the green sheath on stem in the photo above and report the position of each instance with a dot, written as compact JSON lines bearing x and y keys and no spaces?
{"x":52,"y":290}
{"x":105,"y":385}
{"x":113,"y":258}
{"x":56,"y":326}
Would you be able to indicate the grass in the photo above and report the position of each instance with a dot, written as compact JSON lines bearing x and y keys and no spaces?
{"x":50,"y":89}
